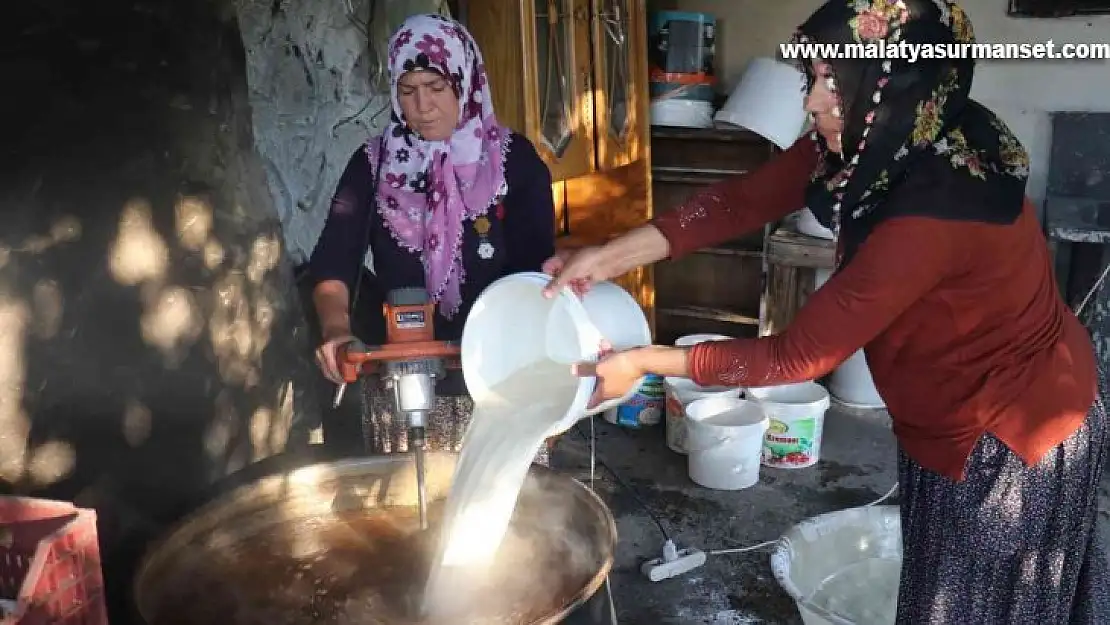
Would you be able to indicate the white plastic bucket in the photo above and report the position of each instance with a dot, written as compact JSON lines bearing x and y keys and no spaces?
{"x":694,"y":339}
{"x":725,"y":438}
{"x":769,"y":100}
{"x":512,"y":326}
{"x":616,"y":315}
{"x":681,"y":113}
{"x":796,"y":413}
{"x":619,"y":318}
{"x":863,"y":542}
{"x":851,"y":383}
{"x":681,"y":392}
{"x":675,"y":413}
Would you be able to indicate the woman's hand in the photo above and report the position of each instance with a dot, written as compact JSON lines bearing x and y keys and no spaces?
{"x":582,"y":268}
{"x":617,"y":373}
{"x":327,"y":357}
{"x":579,"y":269}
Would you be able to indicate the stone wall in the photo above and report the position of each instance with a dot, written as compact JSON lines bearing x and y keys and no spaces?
{"x":151,"y":337}
{"x":308,"y":69}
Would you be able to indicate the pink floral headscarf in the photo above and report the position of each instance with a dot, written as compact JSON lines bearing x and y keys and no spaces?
{"x":429,"y":188}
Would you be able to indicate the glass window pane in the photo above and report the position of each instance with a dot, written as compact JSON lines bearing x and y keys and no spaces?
{"x":614,"y":27}
{"x":554,"y":74}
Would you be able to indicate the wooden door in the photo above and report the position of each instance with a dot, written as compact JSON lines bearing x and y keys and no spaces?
{"x":617,"y":197}
{"x":537,"y":53}
{"x":572,"y":76}
{"x":619,"y":72}
{"x":558,"y":81}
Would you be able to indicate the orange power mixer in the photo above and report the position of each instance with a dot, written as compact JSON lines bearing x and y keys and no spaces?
{"x":411,"y":361}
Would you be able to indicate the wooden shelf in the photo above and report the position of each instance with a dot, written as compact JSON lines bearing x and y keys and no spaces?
{"x":709,"y":314}
{"x":724,"y":134}
{"x":715,"y":289}
{"x":666,"y":173}
{"x":742,"y":248}
{"x":792,"y":249}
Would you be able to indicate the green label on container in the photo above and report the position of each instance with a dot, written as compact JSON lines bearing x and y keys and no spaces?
{"x":791,"y":444}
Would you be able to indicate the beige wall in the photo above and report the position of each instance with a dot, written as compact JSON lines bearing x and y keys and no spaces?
{"x":1022,"y":92}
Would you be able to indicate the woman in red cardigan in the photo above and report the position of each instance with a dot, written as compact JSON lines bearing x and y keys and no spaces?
{"x":944,"y":278}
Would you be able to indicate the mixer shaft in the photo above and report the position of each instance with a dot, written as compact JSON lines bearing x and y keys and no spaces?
{"x":418,"y":444}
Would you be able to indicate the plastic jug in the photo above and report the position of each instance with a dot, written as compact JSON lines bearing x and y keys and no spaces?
{"x":512,"y":325}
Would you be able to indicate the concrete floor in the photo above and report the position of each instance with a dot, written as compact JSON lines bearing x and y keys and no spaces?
{"x":857,"y":466}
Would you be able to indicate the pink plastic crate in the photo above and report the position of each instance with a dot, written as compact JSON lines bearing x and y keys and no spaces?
{"x":50,"y":563}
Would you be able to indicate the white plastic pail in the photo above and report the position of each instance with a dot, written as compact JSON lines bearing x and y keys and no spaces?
{"x":694,"y":339}
{"x":725,"y":439}
{"x":675,"y":414}
{"x":512,"y":326}
{"x":851,"y":383}
{"x":796,"y":413}
{"x":616,"y":315}
{"x":769,"y":101}
{"x":862,"y":543}
{"x":681,"y":392}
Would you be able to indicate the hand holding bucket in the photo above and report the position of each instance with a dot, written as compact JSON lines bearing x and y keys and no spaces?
{"x":513,"y":325}
{"x":616,"y":378}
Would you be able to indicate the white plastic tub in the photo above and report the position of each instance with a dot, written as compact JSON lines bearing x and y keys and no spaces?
{"x":725,"y":441}
{"x":512,"y":326}
{"x":866,"y":540}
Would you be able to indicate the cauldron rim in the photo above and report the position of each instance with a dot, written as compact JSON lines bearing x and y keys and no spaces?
{"x":234,"y":498}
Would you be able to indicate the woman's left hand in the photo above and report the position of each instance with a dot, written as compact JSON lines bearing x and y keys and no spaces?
{"x":617,"y":374}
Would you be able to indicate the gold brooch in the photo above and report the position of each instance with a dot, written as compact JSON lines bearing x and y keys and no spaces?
{"x":481,"y":225}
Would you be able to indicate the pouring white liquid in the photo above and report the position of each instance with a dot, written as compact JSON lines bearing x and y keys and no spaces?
{"x":505,"y":433}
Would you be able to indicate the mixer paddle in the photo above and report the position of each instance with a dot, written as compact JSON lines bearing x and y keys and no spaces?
{"x":417,"y":442}
{"x":411,"y":360}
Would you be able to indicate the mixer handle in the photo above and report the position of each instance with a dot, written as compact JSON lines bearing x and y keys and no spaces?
{"x":356,"y":357}
{"x":347,"y":357}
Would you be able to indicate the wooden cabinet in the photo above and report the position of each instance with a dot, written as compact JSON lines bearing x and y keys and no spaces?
{"x":717,"y":289}
{"x":572,"y":76}
{"x":569,"y":74}
{"x":538,"y":56}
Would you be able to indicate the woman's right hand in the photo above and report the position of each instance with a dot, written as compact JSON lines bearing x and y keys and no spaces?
{"x":327,"y":357}
{"x":579,"y":269}
{"x":582,"y":268}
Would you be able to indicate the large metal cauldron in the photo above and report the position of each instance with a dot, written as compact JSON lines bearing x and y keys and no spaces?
{"x":338,"y":543}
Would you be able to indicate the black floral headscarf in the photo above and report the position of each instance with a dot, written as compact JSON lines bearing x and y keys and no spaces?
{"x":913,"y":141}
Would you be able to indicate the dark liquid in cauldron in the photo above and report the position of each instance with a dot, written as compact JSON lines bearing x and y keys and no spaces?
{"x":365,"y":568}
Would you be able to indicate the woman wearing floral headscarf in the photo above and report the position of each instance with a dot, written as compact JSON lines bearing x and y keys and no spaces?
{"x":944,"y":278}
{"x":460,"y":201}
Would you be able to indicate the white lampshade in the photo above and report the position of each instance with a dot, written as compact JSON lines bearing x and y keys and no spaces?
{"x":769,"y":101}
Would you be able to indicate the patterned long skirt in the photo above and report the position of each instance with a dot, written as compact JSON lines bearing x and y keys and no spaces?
{"x":1011,"y":545}
{"x":387,"y":432}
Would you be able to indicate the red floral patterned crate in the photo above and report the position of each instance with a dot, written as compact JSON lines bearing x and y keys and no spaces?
{"x":49,"y":564}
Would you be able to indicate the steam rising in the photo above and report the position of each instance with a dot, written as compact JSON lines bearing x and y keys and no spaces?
{"x":516,"y":546}
{"x":366,"y":564}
